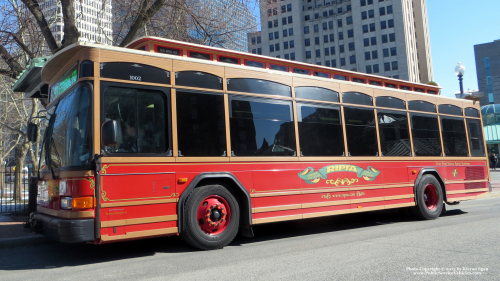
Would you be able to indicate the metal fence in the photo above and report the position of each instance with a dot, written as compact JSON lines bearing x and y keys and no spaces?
{"x":12,"y":199}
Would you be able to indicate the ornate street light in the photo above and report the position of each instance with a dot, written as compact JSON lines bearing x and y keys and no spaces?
{"x":459,"y":71}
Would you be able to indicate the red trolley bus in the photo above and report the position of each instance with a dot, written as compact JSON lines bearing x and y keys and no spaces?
{"x":164,"y":138}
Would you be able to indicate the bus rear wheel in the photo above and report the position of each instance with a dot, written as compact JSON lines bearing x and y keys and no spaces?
{"x":212,"y":217}
{"x":429,"y":198}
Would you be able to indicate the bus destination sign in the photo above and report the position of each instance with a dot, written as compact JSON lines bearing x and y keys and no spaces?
{"x":66,"y":81}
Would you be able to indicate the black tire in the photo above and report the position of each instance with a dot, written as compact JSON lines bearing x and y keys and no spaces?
{"x":429,"y":198}
{"x":193,"y":233}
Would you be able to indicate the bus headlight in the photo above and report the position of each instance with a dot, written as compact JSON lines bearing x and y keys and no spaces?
{"x":66,"y":203}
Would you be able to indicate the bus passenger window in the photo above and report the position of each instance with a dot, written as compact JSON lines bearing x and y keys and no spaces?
{"x":425,"y":133}
{"x":258,"y":86}
{"x":316,"y":93}
{"x":262,"y":128}
{"x":394,"y":134}
{"x":198,"y":79}
{"x":320,"y":131}
{"x":454,"y":138}
{"x":360,"y":132}
{"x":141,"y":118}
{"x":201,"y":128}
{"x":475,"y":137}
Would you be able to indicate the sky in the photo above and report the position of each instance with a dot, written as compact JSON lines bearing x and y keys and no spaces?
{"x":455,"y":26}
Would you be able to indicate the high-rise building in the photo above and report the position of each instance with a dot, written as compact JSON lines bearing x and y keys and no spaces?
{"x":233,"y":21}
{"x":488,"y":71}
{"x":255,"y":42}
{"x":93,"y":19}
{"x":383,"y":37}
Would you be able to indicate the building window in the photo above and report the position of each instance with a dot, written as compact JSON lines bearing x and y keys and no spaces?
{"x":316,"y":28}
{"x":339,"y":10}
{"x":292,"y":56}
{"x":308,"y":54}
{"x":332,"y":37}
{"x":289,"y":7}
{"x":292,"y":44}
{"x":364,"y":15}
{"x":316,"y":16}
{"x":389,"y":9}
{"x":270,"y":24}
{"x":325,"y":14}
{"x":342,"y":61}
{"x":283,"y":9}
{"x":325,"y":38}
{"x":363,"y":3}
{"x":307,"y":17}
{"x":387,"y":66}
{"x":316,"y":40}
{"x":287,"y":56}
{"x":351,"y":46}
{"x":327,"y":63}
{"x":341,"y":35}
{"x":350,"y":33}
{"x":271,"y":37}
{"x":366,"y":42}
{"x":382,"y":11}
{"x":390,"y":23}
{"x":330,"y":12}
{"x":393,"y":51}
{"x":384,"y":38}
{"x":254,"y":51}
{"x":395,"y":65}
{"x":275,"y":22}
{"x":276,"y":35}
{"x":365,"y":28}
{"x":383,"y":24}
{"x":371,"y":14}
{"x":253,"y":40}
{"x":325,"y":26}
{"x":271,"y":48}
{"x":375,"y":68}
{"x":339,"y":23}
{"x":283,"y":21}
{"x":352,"y":59}
{"x":285,"y":33}
{"x":374,"y":54}
{"x":341,"y":48}
{"x":349,"y":20}
{"x":349,"y":7}
{"x":285,"y":45}
{"x":369,"y":69}
{"x":334,"y":63}
{"x":259,"y":40}
{"x":259,"y":51}
{"x":370,"y":2}
{"x":275,"y":11}
{"x":290,"y":20}
{"x":330,"y":24}
{"x":308,"y":42}
{"x":374,"y":41}
{"x":372,"y":27}
{"x":367,"y":56}
{"x":306,"y":29}
{"x":290,"y":31}
{"x":392,"y":37}
{"x":318,"y":53}
{"x":327,"y":51}
{"x":386,"y":52}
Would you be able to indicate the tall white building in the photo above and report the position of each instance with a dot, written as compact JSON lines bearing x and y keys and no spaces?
{"x":93,"y":19}
{"x":383,"y":37}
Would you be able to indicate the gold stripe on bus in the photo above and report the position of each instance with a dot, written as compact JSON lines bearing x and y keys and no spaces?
{"x":464,"y":181}
{"x":271,"y":193}
{"x":468,"y":197}
{"x":330,"y":213}
{"x":467,"y":191}
{"x":326,"y":204}
{"x":138,"y":234}
{"x":66,"y":214}
{"x":138,"y":221}
{"x":137,"y":203}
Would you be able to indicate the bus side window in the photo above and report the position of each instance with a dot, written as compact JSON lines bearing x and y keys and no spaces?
{"x":320,"y":130}
{"x":360,"y":131}
{"x":141,"y":117}
{"x":475,"y":137}
{"x":425,"y":133}
{"x":394,"y":133}
{"x":201,"y":128}
{"x":261,"y":127}
{"x":454,"y":138}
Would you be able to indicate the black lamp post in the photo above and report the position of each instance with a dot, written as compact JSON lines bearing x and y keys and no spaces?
{"x":459,"y":71}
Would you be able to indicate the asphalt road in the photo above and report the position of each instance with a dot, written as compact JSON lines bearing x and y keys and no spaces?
{"x":462,"y":245}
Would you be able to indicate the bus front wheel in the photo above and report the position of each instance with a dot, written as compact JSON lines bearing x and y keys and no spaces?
{"x":212,"y":217}
{"x":429,"y":198}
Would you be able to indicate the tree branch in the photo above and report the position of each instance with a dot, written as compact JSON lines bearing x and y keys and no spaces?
{"x":35,"y":10}
{"x":20,"y":43}
{"x":15,"y":67}
{"x":71,"y":33}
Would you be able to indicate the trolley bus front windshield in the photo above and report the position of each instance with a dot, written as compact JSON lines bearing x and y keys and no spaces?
{"x":67,"y":142}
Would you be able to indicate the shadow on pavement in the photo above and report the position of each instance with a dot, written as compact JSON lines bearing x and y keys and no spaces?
{"x":454,"y":213}
{"x":65,"y":255}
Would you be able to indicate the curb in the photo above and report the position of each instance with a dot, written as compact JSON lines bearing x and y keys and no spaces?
{"x":24,"y":241}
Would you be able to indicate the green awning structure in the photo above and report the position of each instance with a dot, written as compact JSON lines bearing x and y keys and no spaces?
{"x":30,"y":81}
{"x":492,"y":134}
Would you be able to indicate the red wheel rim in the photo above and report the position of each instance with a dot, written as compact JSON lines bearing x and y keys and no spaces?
{"x":214,"y":215}
{"x":431,"y":196}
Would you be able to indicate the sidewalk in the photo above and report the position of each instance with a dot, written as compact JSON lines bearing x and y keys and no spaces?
{"x":12,"y":234}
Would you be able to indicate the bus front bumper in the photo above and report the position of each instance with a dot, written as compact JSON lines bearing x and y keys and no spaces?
{"x":63,"y":230}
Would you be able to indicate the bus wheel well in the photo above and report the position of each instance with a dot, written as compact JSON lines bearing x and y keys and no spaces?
{"x":440,"y":180}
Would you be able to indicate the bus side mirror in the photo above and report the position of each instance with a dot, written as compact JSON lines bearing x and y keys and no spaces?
{"x":31,"y":130}
{"x":108,"y":133}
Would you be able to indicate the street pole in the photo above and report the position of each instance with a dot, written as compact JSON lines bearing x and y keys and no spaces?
{"x":460,"y":78}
